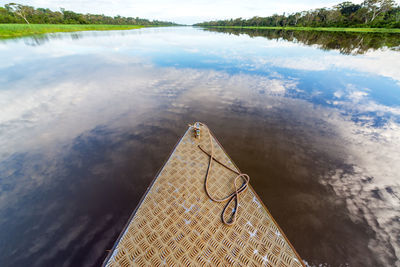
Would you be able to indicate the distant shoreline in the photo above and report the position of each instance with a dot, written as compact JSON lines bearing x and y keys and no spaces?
{"x":20,"y":30}
{"x":328,"y":29}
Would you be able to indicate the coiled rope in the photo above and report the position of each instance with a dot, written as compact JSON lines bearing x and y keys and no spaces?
{"x":234,"y":196}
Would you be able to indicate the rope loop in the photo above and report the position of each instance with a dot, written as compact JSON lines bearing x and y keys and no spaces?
{"x":234,"y":196}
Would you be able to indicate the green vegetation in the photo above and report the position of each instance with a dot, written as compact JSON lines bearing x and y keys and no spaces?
{"x":344,"y":42}
{"x":16,"y":13}
{"x":327,"y":29}
{"x":17,"y":30}
{"x":368,"y":14}
{"x":20,"y":20}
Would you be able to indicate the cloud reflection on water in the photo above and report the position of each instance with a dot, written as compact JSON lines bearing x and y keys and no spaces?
{"x":66,"y":119}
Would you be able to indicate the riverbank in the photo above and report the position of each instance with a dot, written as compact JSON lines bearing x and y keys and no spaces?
{"x":18,"y":30}
{"x":328,"y":29}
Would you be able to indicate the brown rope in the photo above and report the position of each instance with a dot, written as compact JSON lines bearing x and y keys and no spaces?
{"x":234,"y":196}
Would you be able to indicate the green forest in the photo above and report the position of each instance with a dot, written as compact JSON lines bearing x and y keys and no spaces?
{"x":348,"y":43}
{"x":17,"y":13}
{"x":368,"y":14}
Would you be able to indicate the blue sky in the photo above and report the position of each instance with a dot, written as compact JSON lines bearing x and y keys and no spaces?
{"x":184,"y":11}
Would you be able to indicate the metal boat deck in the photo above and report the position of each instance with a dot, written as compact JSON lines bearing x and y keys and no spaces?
{"x":176,"y":224}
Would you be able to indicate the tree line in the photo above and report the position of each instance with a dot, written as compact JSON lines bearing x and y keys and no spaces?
{"x":345,"y":42}
{"x":370,"y":13}
{"x":17,"y":13}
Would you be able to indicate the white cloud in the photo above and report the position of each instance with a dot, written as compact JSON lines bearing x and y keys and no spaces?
{"x":372,"y":189}
{"x":72,"y":102}
{"x":357,"y":96}
{"x":381,"y":62}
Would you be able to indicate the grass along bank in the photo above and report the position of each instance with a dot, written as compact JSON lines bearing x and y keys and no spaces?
{"x":327,"y":29}
{"x":18,"y":30}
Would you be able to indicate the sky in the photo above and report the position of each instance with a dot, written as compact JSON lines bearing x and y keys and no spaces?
{"x":183,"y":11}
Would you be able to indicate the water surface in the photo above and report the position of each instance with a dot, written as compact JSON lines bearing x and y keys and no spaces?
{"x":87,"y":119}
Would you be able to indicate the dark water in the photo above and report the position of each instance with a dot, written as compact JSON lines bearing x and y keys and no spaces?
{"x":87,"y":119}
{"x":346,"y":42}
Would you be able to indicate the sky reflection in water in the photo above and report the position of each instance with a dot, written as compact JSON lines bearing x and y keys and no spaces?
{"x":86,"y":119}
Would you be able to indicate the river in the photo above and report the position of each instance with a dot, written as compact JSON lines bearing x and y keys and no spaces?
{"x":87,"y":119}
